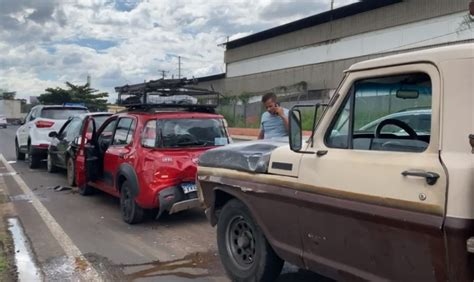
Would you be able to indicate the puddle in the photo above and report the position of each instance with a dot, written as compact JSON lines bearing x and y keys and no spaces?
{"x":192,"y":266}
{"x":26,"y":267}
{"x":61,"y":269}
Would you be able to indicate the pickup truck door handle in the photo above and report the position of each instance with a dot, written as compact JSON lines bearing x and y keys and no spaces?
{"x":431,"y":177}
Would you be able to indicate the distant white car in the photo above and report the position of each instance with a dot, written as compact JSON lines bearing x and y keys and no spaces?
{"x":3,"y":121}
{"x":32,"y":137}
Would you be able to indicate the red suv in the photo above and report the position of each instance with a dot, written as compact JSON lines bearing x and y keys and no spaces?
{"x":147,"y":156}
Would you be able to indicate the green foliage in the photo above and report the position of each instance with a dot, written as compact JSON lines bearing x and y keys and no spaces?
{"x":55,"y":96}
{"x":90,"y":97}
{"x":307,"y":116}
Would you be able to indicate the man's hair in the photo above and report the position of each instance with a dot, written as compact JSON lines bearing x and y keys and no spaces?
{"x":269,"y":96}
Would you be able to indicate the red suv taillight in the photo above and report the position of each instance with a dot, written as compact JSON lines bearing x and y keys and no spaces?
{"x":44,"y":124}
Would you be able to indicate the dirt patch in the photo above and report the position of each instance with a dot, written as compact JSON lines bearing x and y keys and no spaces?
{"x":7,"y":249}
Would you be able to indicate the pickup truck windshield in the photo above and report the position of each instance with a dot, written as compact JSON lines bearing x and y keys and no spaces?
{"x":175,"y":133}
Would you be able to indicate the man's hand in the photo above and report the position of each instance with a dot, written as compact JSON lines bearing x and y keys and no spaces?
{"x":279,"y":111}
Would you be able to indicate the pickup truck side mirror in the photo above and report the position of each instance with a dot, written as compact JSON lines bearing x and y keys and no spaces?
{"x":296,"y":131}
{"x":296,"y":128}
{"x":53,"y":134}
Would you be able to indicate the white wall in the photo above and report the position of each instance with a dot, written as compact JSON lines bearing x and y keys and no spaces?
{"x":423,"y":33}
{"x":11,"y":108}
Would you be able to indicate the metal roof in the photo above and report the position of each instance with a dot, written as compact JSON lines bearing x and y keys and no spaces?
{"x":339,"y":13}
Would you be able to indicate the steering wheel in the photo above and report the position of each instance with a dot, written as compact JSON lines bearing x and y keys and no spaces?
{"x":411,"y":132}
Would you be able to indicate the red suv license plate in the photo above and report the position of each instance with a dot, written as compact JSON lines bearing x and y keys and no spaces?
{"x":188,"y":187}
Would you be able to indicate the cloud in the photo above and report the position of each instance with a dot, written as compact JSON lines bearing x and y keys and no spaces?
{"x":287,"y":9}
{"x":45,"y":43}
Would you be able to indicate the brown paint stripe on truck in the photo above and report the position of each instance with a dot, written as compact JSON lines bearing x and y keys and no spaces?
{"x":241,"y":179}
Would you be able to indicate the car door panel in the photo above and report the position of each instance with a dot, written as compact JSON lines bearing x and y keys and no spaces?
{"x":24,"y":130}
{"x":362,"y":216}
{"x":117,"y":153}
{"x":59,"y":144}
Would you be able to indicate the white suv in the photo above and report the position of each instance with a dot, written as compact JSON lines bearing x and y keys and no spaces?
{"x":32,"y":137}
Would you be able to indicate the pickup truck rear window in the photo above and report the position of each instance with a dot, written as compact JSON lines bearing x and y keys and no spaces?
{"x":61,"y":113}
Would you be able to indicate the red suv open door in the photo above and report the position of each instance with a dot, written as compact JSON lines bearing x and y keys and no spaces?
{"x":85,"y":156}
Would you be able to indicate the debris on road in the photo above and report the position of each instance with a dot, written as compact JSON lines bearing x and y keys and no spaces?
{"x":62,"y":188}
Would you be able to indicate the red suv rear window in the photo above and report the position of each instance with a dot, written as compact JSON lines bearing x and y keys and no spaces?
{"x":176,"y":133}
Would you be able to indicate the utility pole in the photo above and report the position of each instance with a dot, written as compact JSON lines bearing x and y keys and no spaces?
{"x":163,"y":74}
{"x":332,"y":5}
{"x":179,"y":67}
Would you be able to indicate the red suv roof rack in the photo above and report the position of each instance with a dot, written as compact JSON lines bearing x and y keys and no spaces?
{"x":167,"y":94}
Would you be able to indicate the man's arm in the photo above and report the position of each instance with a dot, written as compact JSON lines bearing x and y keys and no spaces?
{"x":261,"y":134}
{"x":284,"y":117}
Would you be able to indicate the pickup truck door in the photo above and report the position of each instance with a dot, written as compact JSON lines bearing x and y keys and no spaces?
{"x":375,"y":208}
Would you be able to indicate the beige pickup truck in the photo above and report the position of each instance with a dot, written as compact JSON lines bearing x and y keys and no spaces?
{"x":383,"y":190}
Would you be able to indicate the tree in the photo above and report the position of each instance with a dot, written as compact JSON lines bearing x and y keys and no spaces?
{"x":92,"y":98}
{"x":84,"y":94}
{"x":55,"y":96}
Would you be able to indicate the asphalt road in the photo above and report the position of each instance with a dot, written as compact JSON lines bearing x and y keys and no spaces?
{"x":180,"y":247}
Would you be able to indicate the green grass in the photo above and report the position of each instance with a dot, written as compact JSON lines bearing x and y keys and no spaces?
{"x":3,"y":264}
{"x":3,"y":258}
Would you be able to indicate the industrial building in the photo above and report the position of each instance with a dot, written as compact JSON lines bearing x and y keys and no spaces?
{"x":305,"y":59}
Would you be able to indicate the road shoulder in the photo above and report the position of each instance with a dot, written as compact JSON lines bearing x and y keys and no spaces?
{"x":7,"y":250}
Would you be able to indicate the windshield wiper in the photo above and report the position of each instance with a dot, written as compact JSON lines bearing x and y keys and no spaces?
{"x":189,"y":143}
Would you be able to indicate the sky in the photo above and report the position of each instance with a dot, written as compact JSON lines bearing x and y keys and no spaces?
{"x":44,"y":43}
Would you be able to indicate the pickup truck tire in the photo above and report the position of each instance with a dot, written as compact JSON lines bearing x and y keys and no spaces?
{"x":243,"y":248}
{"x":19,"y":155}
{"x":131,"y":212}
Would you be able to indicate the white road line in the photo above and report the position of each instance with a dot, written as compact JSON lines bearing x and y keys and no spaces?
{"x":71,"y":250}
{"x":8,"y":173}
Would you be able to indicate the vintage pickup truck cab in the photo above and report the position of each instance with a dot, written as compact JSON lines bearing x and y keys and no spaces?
{"x":383,"y":190}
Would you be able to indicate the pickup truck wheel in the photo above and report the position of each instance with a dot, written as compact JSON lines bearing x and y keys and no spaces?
{"x":34,"y":160}
{"x":243,"y":248}
{"x":71,"y":172}
{"x":131,"y":212}
{"x":50,"y":166}
{"x":19,"y":155}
